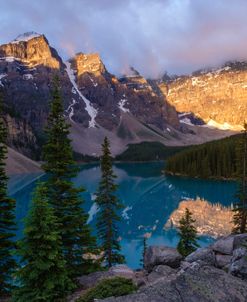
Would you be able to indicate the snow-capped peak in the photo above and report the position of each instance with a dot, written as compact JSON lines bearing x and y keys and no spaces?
{"x":26,"y":37}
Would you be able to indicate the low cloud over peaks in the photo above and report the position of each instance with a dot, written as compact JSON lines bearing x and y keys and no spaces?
{"x":178,"y":36}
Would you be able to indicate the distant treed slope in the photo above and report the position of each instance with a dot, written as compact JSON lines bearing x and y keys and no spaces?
{"x":146,"y":151}
{"x":216,"y":159}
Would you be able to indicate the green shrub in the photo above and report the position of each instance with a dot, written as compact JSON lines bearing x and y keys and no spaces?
{"x":113,"y":287}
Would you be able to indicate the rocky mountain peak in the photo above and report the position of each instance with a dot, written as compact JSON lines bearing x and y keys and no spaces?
{"x":31,"y":49}
{"x":135,"y":80}
{"x":88,"y":63}
{"x":26,"y":37}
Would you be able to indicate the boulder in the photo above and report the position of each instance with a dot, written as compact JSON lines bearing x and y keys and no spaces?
{"x":90,"y":280}
{"x":223,"y":261}
{"x":224,"y":245}
{"x":122,"y":271}
{"x":184,"y":265}
{"x":156,"y":255}
{"x":239,"y":240}
{"x":161,"y":271}
{"x":238,"y":266}
{"x":141,"y":278}
{"x":203,"y":254}
{"x":198,"y":283}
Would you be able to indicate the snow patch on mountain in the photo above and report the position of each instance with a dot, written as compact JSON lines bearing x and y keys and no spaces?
{"x":70,"y":110}
{"x":26,"y":37}
{"x":3,"y":75}
{"x":121,"y":105}
{"x":89,"y":108}
{"x":94,"y":83}
{"x":183,"y":114}
{"x":225,"y":126}
{"x":185,"y":118}
{"x":8,"y":59}
{"x":125,"y":214}
{"x":92,"y":212}
{"x":28,"y":76}
{"x":186,"y":121}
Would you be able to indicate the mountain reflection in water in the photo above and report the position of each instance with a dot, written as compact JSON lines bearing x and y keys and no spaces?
{"x":149,"y":199}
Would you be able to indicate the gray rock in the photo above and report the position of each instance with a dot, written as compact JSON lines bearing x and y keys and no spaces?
{"x":184,"y":265}
{"x":141,"y":278}
{"x":197,"y":283}
{"x":224,"y":245}
{"x":204,"y":254}
{"x":88,"y":281}
{"x":122,"y":271}
{"x":156,"y":255}
{"x":238,"y":266}
{"x":239,"y":240}
{"x":223,"y":260}
{"x":161,"y":271}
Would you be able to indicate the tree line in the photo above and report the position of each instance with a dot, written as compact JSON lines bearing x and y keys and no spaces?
{"x":57,"y":244}
{"x":187,"y":231}
{"x":217,"y":159}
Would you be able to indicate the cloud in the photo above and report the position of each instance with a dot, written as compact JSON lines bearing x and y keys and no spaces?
{"x":153,"y":36}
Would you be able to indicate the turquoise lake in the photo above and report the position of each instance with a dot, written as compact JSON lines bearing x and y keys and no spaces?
{"x":149,"y":198}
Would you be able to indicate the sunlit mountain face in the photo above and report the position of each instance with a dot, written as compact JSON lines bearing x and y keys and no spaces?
{"x":127,"y":109}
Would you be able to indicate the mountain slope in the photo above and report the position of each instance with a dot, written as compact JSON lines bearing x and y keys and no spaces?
{"x":93,"y":98}
{"x":129,"y":109}
{"x":212,"y":95}
{"x":17,"y":163}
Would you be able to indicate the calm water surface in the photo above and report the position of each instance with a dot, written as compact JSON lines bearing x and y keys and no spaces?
{"x":149,"y":199}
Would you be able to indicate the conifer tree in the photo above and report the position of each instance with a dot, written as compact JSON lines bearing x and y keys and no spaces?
{"x":240,"y":208}
{"x":7,"y":216}
{"x":109,"y":205}
{"x":64,"y":197}
{"x":43,"y":276}
{"x":188,"y":235}
{"x":144,"y":250}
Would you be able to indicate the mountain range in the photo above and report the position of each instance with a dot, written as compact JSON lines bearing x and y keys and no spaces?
{"x":185,"y":110}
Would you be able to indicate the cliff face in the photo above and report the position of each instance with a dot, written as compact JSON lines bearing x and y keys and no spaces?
{"x":111,"y":96}
{"x":129,"y":109}
{"x":21,"y":136}
{"x":32,"y":49}
{"x":218,"y":95}
{"x":93,"y":98}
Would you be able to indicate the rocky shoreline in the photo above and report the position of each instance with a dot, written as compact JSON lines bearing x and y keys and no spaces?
{"x":213,"y":274}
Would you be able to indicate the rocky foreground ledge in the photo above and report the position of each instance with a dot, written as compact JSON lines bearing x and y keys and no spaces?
{"x":217,"y":273}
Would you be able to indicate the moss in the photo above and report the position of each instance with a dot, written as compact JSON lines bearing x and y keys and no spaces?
{"x":113,"y":287}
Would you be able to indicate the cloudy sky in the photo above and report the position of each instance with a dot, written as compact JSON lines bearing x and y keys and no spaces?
{"x":154,"y":36}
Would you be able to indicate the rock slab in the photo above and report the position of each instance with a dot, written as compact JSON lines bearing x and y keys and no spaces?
{"x":156,"y":255}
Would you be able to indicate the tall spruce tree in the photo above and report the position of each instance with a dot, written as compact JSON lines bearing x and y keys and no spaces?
{"x":240,"y":208}
{"x":144,"y":250}
{"x":188,"y":235}
{"x":64,"y":197}
{"x":109,"y":205}
{"x":7,"y":216}
{"x":43,"y":276}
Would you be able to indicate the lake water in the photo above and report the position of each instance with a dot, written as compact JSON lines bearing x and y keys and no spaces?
{"x":149,"y":199}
